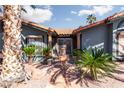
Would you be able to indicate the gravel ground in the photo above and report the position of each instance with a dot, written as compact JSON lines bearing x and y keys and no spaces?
{"x":41,"y":79}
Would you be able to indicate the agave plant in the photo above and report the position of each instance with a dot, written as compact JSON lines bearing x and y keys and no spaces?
{"x":29,"y":50}
{"x":96,"y":62}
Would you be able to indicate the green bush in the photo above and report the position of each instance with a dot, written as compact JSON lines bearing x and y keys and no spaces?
{"x":29,"y":50}
{"x":96,"y":61}
{"x":46,"y":51}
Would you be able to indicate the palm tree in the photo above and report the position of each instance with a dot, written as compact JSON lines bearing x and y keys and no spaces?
{"x":12,"y":67}
{"x":91,"y":19}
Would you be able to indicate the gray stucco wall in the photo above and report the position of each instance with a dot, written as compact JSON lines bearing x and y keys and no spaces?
{"x":97,"y":36}
{"x":26,"y":30}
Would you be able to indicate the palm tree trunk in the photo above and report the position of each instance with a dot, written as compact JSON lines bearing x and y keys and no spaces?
{"x":12,"y":67}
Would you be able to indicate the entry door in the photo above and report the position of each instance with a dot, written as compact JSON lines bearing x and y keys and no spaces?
{"x":67,"y":42}
{"x":121,"y":44}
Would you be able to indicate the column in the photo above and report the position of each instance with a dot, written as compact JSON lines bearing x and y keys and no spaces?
{"x":78,"y":40}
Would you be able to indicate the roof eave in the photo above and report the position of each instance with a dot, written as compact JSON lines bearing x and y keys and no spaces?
{"x":88,"y":26}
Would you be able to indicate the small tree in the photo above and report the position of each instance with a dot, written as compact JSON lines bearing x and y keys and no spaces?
{"x":30,"y":52}
{"x":46,"y":51}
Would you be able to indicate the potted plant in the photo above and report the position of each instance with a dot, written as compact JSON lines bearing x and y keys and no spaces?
{"x":29,"y":50}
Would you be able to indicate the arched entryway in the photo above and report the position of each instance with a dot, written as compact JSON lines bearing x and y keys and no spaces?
{"x":120,"y":41}
{"x":120,"y":44}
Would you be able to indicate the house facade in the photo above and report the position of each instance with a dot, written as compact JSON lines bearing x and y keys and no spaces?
{"x":32,"y":33}
{"x":107,"y":34}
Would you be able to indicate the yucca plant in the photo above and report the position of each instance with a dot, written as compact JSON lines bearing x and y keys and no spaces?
{"x":46,"y":51}
{"x":47,"y":54}
{"x":96,"y":62}
{"x":29,"y":50}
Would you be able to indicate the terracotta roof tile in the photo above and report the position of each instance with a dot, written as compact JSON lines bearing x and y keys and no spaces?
{"x":89,"y":26}
{"x":24,"y":21}
{"x":117,"y":15}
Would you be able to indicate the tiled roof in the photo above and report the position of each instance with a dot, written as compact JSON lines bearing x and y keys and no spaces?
{"x":113,"y":17}
{"x":27,"y":22}
{"x":116,"y":15}
{"x":37,"y":25}
{"x":89,"y":26}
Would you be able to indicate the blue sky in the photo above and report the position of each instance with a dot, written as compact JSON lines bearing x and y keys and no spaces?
{"x":70,"y":16}
{"x":67,"y":16}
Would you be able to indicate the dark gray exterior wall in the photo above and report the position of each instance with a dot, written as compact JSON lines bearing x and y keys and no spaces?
{"x":97,"y":36}
{"x":26,"y":30}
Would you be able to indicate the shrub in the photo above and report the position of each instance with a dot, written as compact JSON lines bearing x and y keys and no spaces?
{"x":96,"y":61}
{"x":29,"y":50}
{"x":46,"y":51}
{"x":77,"y":52}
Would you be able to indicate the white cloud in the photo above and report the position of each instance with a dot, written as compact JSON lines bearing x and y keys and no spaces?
{"x":37,"y":15}
{"x":100,"y":10}
{"x":68,"y":19}
{"x":85,"y":12}
{"x":73,"y":12}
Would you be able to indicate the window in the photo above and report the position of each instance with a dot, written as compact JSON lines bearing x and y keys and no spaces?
{"x":37,"y":41}
{"x":32,"y":39}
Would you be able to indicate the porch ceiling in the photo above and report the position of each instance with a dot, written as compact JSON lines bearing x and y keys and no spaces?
{"x":64,"y":31}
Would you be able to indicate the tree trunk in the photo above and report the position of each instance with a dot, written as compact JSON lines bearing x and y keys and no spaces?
{"x":12,"y":67}
{"x":30,"y":59}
